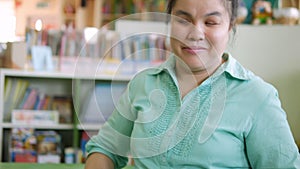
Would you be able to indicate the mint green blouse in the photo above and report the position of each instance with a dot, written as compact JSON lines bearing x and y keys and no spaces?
{"x":232,"y":120}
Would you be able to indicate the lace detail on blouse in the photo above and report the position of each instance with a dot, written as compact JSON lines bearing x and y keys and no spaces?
{"x":193,"y":117}
{"x":160,"y":126}
{"x":176,"y":130}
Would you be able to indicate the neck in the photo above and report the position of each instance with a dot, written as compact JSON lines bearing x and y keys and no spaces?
{"x":190,"y":79}
{"x":198,"y":75}
{"x":187,"y":79}
{"x":191,"y":76}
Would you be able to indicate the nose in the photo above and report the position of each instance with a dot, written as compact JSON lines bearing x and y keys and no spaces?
{"x":196,"y":33}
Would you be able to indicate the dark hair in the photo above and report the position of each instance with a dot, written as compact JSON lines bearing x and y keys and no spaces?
{"x":232,"y":10}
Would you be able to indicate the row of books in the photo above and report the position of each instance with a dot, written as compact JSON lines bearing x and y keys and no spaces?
{"x":71,"y":42}
{"x":45,"y":146}
{"x":20,"y":95}
{"x":148,"y":47}
{"x":28,"y":145}
{"x":67,"y":42}
{"x":104,"y":43}
{"x":133,"y":6}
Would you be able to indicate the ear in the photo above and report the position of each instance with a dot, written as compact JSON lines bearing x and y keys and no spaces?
{"x":232,"y":25}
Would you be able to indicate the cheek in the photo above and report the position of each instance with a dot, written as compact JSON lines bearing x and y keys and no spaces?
{"x":179,"y":32}
{"x":218,"y":39}
{"x":177,"y":35}
{"x":175,"y":45}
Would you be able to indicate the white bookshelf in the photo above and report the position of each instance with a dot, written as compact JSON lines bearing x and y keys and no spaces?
{"x":40,"y":126}
{"x":54,"y":83}
{"x":89,"y":126}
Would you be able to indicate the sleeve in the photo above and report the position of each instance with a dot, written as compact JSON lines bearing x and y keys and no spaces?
{"x":113,"y":138}
{"x":270,"y":143}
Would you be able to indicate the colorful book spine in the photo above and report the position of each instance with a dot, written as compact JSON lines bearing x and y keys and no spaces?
{"x":31,"y":99}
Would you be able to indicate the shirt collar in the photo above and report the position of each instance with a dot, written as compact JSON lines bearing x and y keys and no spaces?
{"x":231,"y":66}
{"x":168,"y":65}
{"x":234,"y":68}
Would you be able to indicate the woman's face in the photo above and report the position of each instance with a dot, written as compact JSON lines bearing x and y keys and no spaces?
{"x":199,"y":32}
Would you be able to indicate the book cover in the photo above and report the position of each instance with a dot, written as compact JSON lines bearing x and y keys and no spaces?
{"x":23,"y":100}
{"x":21,"y":88}
{"x":35,"y":117}
{"x":63,"y":104}
{"x":8,"y":97}
{"x":31,"y":99}
{"x":7,"y":88}
{"x":22,"y":145}
{"x":48,"y":142}
{"x":14,"y":92}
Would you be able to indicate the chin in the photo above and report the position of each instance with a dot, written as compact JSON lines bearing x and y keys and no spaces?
{"x":196,"y":66}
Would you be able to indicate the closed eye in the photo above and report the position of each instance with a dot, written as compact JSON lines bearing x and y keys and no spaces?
{"x":211,"y":23}
{"x":182,"y":17}
{"x":182,"y":21}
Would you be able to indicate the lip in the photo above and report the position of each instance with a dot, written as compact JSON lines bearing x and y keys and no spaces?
{"x":193,"y":49}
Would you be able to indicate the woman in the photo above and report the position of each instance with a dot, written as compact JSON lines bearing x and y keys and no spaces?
{"x":201,"y":108}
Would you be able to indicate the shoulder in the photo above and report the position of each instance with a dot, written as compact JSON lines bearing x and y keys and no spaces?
{"x":257,"y":88}
{"x":251,"y":91}
{"x":244,"y":81}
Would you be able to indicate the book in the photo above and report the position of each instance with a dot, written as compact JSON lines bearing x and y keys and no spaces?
{"x":15,"y":90}
{"x":9,"y":89}
{"x":48,"y":158}
{"x":48,"y":142}
{"x":22,"y":145}
{"x":63,"y":104}
{"x":23,"y":100}
{"x":21,"y":87}
{"x":30,"y":99}
{"x":46,"y":103}
{"x":35,"y":117}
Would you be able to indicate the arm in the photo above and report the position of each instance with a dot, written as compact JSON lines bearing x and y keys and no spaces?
{"x":111,"y":146}
{"x":98,"y":161}
{"x":270,"y":143}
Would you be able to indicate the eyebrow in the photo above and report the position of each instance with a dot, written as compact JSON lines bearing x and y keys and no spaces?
{"x":216,"y":13}
{"x":181,"y":12}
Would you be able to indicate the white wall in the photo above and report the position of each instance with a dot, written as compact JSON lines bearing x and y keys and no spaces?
{"x":28,"y":12}
{"x":8,"y":21}
{"x":131,"y":27}
{"x":273,"y":52}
